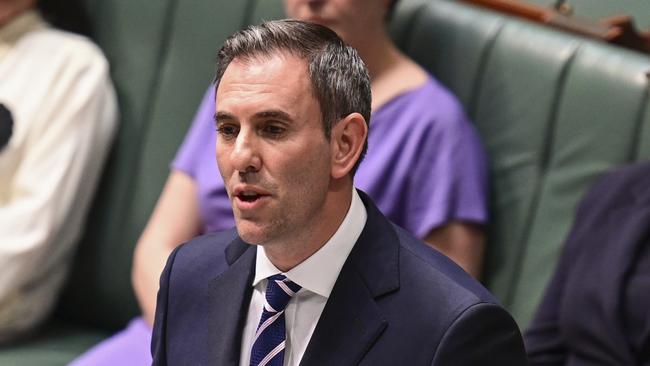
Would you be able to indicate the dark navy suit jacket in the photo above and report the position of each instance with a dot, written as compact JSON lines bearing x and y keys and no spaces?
{"x":395,"y":302}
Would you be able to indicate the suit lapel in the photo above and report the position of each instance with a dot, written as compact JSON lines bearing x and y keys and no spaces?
{"x":229,"y":295}
{"x":348,"y":326}
{"x":352,"y":321}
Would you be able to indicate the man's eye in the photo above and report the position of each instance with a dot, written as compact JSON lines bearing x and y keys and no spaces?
{"x":273,"y":130}
{"x":227,"y":131}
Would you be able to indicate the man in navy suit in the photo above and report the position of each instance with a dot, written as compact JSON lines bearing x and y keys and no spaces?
{"x":313,"y":274}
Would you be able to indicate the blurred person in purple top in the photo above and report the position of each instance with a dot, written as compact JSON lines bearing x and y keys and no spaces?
{"x":425,"y":168}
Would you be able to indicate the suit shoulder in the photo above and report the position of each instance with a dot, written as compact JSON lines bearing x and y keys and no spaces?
{"x":205,"y":252}
{"x":480,"y":325}
{"x":630,"y":179}
{"x":624,"y":186}
{"x":424,"y":264}
{"x":629,"y":173}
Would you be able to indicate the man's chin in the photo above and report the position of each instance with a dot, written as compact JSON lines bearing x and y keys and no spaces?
{"x":252,"y":233}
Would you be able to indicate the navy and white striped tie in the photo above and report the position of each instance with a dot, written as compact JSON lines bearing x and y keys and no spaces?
{"x":270,"y":338}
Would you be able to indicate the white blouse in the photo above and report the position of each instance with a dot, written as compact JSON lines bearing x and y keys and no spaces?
{"x":56,"y":86}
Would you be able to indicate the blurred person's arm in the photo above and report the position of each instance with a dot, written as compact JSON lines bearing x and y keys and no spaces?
{"x":175,"y":220}
{"x":463,"y":242}
{"x":65,"y":118}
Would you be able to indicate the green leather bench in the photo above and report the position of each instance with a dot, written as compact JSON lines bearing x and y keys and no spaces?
{"x":554,"y":112}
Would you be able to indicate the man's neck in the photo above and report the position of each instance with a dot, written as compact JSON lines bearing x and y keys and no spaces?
{"x":292,"y":251}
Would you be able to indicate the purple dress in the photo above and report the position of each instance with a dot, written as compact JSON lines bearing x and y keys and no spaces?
{"x":425,"y":166}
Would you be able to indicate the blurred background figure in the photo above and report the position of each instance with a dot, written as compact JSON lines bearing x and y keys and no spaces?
{"x":595,"y":309}
{"x":58,"y":114}
{"x":425,"y":168}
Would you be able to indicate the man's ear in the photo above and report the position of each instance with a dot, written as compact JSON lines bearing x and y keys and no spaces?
{"x":347,"y":140}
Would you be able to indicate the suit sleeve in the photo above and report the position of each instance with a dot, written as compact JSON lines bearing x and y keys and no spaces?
{"x":159,"y":337}
{"x":544,"y":342}
{"x":482,"y":334}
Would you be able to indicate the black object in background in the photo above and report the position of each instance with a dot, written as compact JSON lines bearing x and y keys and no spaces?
{"x":6,"y":126}
{"x":69,"y":15}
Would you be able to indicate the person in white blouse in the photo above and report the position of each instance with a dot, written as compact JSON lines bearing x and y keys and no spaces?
{"x":60,"y":115}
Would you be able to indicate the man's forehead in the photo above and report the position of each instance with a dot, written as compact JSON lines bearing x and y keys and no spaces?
{"x":279,"y":82}
{"x":276,"y":73}
{"x":273,"y":60}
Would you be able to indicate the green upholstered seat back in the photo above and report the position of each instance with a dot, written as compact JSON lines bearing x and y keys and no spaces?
{"x":554,"y":111}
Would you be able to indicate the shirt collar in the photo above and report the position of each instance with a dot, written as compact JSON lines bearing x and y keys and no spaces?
{"x":319,"y":272}
{"x":26,"y":22}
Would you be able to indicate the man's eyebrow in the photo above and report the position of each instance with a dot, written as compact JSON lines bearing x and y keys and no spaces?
{"x":274,"y":114}
{"x":220,"y":117}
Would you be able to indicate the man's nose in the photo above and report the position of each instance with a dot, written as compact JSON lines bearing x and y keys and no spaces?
{"x":245,"y":155}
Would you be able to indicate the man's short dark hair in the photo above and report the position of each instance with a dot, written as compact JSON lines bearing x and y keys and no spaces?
{"x":339,"y":79}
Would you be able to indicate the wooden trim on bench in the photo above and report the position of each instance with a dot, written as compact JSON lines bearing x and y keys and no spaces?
{"x":619,"y":30}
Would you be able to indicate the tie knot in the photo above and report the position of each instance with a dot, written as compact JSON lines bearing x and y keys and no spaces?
{"x":279,"y":290}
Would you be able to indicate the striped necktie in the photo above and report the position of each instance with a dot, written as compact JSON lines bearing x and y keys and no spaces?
{"x":269,"y":342}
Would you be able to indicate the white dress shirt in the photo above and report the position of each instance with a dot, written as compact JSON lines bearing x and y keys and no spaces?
{"x":57,"y":87}
{"x":317,"y":276}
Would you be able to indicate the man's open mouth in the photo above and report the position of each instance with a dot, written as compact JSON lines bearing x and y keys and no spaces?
{"x":248,"y":196}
